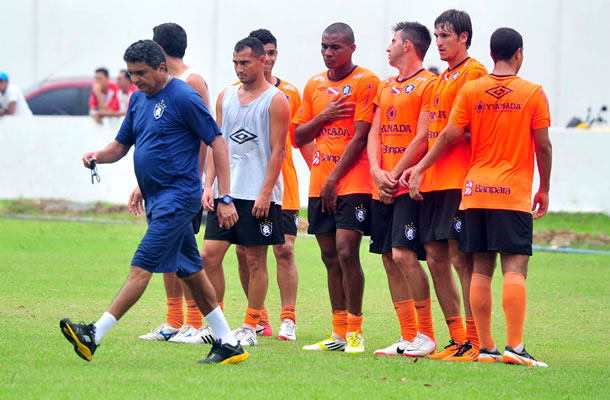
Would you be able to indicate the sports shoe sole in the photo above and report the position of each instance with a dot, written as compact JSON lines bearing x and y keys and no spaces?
{"x":80,"y":349}
{"x":282,"y":337}
{"x":236,"y":359}
{"x":489,"y":359}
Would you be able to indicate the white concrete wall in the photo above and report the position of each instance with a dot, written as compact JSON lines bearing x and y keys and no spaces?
{"x":564,"y":41}
{"x":40,"y":157}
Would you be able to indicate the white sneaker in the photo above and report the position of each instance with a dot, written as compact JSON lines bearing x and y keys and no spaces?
{"x":396,"y":349}
{"x":355,"y":343}
{"x":331,"y":343}
{"x":205,"y":335}
{"x":421,"y":346}
{"x":245,"y":336}
{"x":287,"y":330}
{"x":185,"y":332}
{"x":162,"y":333}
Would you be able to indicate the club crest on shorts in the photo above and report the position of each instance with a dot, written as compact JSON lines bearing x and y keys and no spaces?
{"x":159,"y":109}
{"x":360,"y":213}
{"x":457,"y":224}
{"x":410,"y":231}
{"x":266,"y":228}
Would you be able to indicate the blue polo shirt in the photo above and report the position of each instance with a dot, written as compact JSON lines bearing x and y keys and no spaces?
{"x":167,"y":130}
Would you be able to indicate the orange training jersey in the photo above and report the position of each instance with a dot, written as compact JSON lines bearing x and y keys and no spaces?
{"x":400,"y":104}
{"x":334,"y":137}
{"x":291,"y":184}
{"x":502,"y":112}
{"x":448,"y":172}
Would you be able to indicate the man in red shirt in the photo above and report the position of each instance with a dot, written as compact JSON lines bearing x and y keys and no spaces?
{"x":103,"y":95}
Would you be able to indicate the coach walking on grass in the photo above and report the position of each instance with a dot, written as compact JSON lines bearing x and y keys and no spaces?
{"x":166,"y":122}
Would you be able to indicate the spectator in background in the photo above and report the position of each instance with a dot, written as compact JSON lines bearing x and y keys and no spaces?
{"x":121,"y":99}
{"x":12,"y":101}
{"x":103,"y":95}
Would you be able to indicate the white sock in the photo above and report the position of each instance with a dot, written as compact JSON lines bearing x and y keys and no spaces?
{"x":103,"y":325}
{"x":518,"y":348}
{"x":218,"y":323}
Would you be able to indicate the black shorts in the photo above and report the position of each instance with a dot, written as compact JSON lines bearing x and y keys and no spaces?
{"x":353,"y":212}
{"x":248,"y":231}
{"x":396,"y":225}
{"x":439,"y":216}
{"x":502,"y":231}
{"x":290,"y":218}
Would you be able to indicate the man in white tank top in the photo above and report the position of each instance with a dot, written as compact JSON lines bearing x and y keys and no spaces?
{"x":172,"y":40}
{"x":254,"y":118}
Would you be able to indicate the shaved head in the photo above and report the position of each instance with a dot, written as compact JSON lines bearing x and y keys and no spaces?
{"x":341,"y":29}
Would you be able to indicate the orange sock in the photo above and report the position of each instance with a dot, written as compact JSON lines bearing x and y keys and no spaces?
{"x":354,"y":323}
{"x":252,"y":317}
{"x":340,"y":322}
{"x":193,"y":315}
{"x":471,"y":333}
{"x":456,"y":329}
{"x":514,"y":297}
{"x":405,"y":310}
{"x":264,"y":321}
{"x":175,"y":311}
{"x":288,"y":313}
{"x":424,"y":317}
{"x":480,"y":303}
{"x":222,"y":306}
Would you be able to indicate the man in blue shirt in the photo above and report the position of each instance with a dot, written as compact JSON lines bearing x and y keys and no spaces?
{"x":166,"y":122}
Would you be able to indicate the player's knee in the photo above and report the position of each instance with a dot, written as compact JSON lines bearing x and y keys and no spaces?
{"x":284,"y":252}
{"x":347,"y":255}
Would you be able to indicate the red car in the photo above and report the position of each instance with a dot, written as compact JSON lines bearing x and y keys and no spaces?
{"x":63,"y":96}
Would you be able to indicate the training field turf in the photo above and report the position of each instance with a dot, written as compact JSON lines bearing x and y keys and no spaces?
{"x":52,"y":270}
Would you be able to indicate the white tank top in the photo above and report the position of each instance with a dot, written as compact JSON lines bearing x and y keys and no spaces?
{"x":246,"y":130}
{"x":185,"y":75}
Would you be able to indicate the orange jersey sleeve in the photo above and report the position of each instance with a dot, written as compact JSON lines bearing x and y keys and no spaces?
{"x":400,"y":104}
{"x":334,"y":137}
{"x":448,"y":172}
{"x":502,"y":112}
{"x":290,"y":200}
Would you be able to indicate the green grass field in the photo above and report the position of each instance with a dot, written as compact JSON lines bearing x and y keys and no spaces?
{"x":52,"y":270}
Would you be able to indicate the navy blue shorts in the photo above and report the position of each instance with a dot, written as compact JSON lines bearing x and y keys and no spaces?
{"x":169,"y":245}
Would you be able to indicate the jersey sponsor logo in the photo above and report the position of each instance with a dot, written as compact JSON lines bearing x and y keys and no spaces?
{"x":289,"y":87}
{"x":441,"y":114}
{"x":421,"y":78}
{"x":357,"y":76}
{"x":503,"y":107}
{"x":433,"y":134}
{"x":409,"y":89}
{"x":321,"y":88}
{"x":436,"y":100}
{"x":410,"y":231}
{"x":335,"y":132}
{"x":395,"y":128}
{"x":367,"y":98}
{"x":505,"y":190}
{"x":468,"y":188}
{"x":390,"y":114}
{"x":396,"y":89}
{"x":333,"y":90}
{"x":347,"y":89}
{"x":479,"y":107}
{"x":499,"y":91}
{"x":455,"y":75}
{"x":457,"y":224}
{"x":319,"y":78}
{"x":360,"y":213}
{"x":319,"y":157}
{"x":385,"y":149}
{"x":266,"y":228}
{"x":242,"y":136}
{"x":159,"y":109}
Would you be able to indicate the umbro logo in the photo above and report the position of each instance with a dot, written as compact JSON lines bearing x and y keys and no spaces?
{"x":242,"y":136}
{"x":498,"y":92}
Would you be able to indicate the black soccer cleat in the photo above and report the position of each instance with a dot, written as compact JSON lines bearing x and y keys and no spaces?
{"x":81,"y":336}
{"x":225,"y":354}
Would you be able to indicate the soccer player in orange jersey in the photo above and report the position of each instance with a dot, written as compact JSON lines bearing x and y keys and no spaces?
{"x":337,"y":111}
{"x":287,"y":274}
{"x":509,"y":120}
{"x":439,"y":215}
{"x":401,"y":111}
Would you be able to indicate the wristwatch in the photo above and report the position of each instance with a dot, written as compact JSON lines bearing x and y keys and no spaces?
{"x":227,"y":199}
